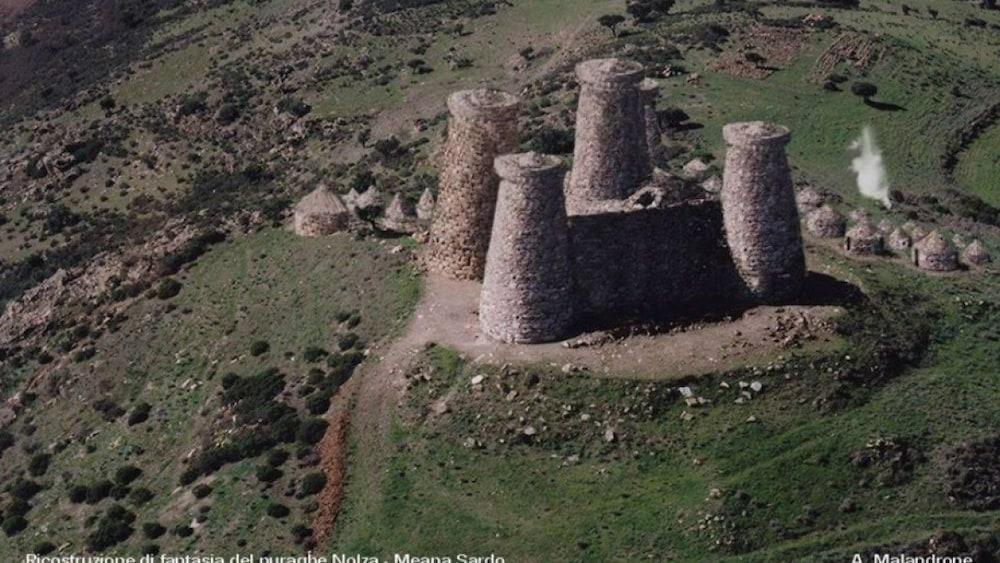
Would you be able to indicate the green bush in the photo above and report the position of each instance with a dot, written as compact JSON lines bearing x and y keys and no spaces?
{"x":99,"y":491}
{"x":168,"y":289}
{"x":150,"y":549}
{"x":6,"y":441}
{"x":125,"y":474}
{"x":312,"y":483}
{"x":201,"y":491}
{"x":259,"y":347}
{"x":141,"y":496}
{"x":277,"y":457}
{"x":276,"y":510}
{"x":139,"y":414}
{"x":24,"y":489}
{"x":43,"y":548}
{"x":268,"y":473}
{"x":114,"y":527}
{"x":183,"y":531}
{"x":312,"y":430}
{"x":348,"y":341}
{"x":317,"y":404}
{"x":13,"y":525}
{"x":39,"y":464}
{"x":314,"y":354}
{"x":153,"y":530}
{"x":78,"y":493}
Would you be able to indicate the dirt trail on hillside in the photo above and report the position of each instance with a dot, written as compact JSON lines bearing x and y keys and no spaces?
{"x":447,"y":315}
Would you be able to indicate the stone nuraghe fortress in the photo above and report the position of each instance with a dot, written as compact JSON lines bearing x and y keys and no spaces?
{"x":617,"y":239}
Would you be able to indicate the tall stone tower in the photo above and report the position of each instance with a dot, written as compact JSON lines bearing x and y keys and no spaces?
{"x":759,"y":211}
{"x":483,"y":125}
{"x":650,"y":90}
{"x":527,"y":295}
{"x":610,"y":159}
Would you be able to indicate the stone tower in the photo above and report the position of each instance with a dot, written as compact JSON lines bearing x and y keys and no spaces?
{"x":483,"y":125}
{"x":611,"y":158}
{"x":527,"y":295}
{"x":759,"y":211}
{"x":650,"y":90}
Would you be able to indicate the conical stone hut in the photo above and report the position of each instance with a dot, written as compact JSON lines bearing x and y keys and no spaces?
{"x":425,"y":206}
{"x":400,"y":216}
{"x":807,"y":199}
{"x":935,"y":253}
{"x":824,"y":222}
{"x":885,"y":226}
{"x":975,"y":254}
{"x":900,"y":241}
{"x":864,"y":238}
{"x":320,"y":213}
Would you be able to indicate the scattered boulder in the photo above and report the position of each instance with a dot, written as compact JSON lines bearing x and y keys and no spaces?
{"x":425,"y":206}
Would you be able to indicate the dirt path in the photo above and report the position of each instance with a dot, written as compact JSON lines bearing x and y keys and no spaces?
{"x":446,"y":315}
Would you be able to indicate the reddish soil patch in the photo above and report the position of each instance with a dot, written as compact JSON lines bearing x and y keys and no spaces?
{"x":333,"y":462}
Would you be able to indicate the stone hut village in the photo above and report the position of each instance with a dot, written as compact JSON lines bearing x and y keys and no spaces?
{"x":614,"y":238}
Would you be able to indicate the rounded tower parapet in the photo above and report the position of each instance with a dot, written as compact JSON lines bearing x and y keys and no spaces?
{"x":483,"y":125}
{"x":526,"y":296}
{"x":759,"y":211}
{"x":610,"y":159}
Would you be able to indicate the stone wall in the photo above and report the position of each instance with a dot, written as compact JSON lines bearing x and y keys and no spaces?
{"x":483,"y":125}
{"x":610,"y":159}
{"x":527,"y":294}
{"x":652,"y":263}
{"x":761,"y":218}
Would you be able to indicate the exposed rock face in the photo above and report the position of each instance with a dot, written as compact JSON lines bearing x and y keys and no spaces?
{"x":826,"y":223}
{"x":935,"y":253}
{"x":483,"y":126}
{"x":758,"y":204}
{"x":425,"y":207}
{"x":650,"y":90}
{"x":975,"y":254}
{"x":610,"y":159}
{"x":864,"y":239}
{"x":320,"y":213}
{"x":527,"y":290}
{"x":900,"y":241}
{"x":695,"y":169}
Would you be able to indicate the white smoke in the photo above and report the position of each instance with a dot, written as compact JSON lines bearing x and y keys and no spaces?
{"x":873,"y":181}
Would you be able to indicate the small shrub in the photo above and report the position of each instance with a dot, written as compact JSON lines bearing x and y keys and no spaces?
{"x":141,"y":496}
{"x":312,"y":483}
{"x":39,"y":464}
{"x":169,"y":288}
{"x":78,"y":493}
{"x":183,"y":531}
{"x":6,"y":441}
{"x":139,"y":414}
{"x":229,"y":379}
{"x":125,"y":474}
{"x":276,"y":510}
{"x":43,"y":548}
{"x":317,"y":404}
{"x":14,"y":525}
{"x":314,"y":354}
{"x":268,"y":473}
{"x":24,"y":489}
{"x":259,"y":348}
{"x":277,"y":457}
{"x":153,"y":530}
{"x":150,"y":549}
{"x":312,"y":430}
{"x":99,"y":491}
{"x":201,"y":491}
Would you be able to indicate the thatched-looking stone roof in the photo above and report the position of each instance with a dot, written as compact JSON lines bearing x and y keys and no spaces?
{"x":935,"y":253}
{"x":863,"y":238}
{"x":320,"y":213}
{"x":826,"y":223}
{"x":976,"y":254}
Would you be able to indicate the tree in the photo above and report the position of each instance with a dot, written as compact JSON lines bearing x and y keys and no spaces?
{"x":639,"y":10}
{"x":611,"y":21}
{"x":864,"y":89}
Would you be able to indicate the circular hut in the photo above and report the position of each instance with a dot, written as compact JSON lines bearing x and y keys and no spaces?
{"x":900,"y":241}
{"x":975,"y":254}
{"x":824,"y":222}
{"x":320,"y":213}
{"x":864,"y":238}
{"x":808,"y":199}
{"x":935,"y":253}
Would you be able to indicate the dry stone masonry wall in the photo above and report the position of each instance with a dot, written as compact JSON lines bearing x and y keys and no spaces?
{"x":610,"y":158}
{"x":483,"y":125}
{"x":527,"y":295}
{"x":761,"y":218}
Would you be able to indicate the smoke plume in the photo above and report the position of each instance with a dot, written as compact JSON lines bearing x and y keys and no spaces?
{"x":873,"y":181}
